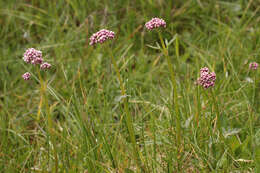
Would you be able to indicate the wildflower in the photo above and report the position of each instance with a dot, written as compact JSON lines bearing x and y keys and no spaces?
{"x":204,"y":70}
{"x":37,"y":61}
{"x":155,"y":23}
{"x":45,"y":65}
{"x":253,"y":66}
{"x":26,"y":76}
{"x":101,"y":36}
{"x":33,"y":56}
{"x":206,"y":78}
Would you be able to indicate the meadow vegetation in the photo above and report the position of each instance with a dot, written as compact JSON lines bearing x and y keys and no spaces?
{"x":75,"y":116}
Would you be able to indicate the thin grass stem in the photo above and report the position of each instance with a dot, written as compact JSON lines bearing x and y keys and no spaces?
{"x":175,"y":96}
{"x":128,"y":120}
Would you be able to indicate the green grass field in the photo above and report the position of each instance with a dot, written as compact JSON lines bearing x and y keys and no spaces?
{"x":75,"y":117}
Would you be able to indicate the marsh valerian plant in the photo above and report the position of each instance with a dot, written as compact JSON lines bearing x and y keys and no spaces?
{"x":158,"y":25}
{"x":100,"y":37}
{"x":34,"y":57}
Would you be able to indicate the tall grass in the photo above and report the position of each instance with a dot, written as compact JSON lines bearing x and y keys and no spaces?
{"x":78,"y":119}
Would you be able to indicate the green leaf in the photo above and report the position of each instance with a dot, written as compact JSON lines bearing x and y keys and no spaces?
{"x":222,"y":162}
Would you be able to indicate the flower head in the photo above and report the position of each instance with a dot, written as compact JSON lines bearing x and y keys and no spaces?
{"x":155,"y":23}
{"x":26,"y":76}
{"x":37,"y":61}
{"x":45,"y":65}
{"x":101,"y":36}
{"x":33,"y":56}
{"x":206,"y":78}
{"x":204,"y":70}
{"x":253,"y":66}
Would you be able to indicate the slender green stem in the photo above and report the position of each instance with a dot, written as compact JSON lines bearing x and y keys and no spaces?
{"x":254,"y":99}
{"x":128,"y":120}
{"x":177,"y":51}
{"x":109,"y":150}
{"x":44,"y":101}
{"x":198,"y":112}
{"x":50,"y":125}
{"x":216,"y":122}
{"x":154,"y":142}
{"x":198,"y":108}
{"x":174,"y":85}
{"x":174,"y":99}
{"x":253,"y":109}
{"x":41,"y":94}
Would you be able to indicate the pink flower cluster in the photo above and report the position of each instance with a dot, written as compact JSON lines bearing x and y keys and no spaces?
{"x":26,"y":76}
{"x":206,"y":78}
{"x":253,"y":66}
{"x":45,"y":65}
{"x":101,"y":36}
{"x":155,"y":23}
{"x":33,"y":56}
